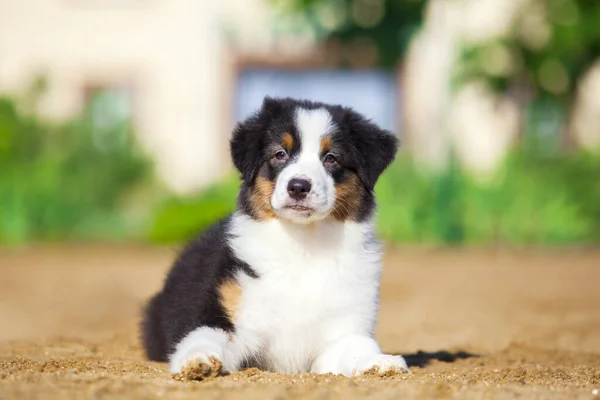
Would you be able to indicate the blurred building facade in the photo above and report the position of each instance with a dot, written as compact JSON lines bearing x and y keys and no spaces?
{"x":165,"y":62}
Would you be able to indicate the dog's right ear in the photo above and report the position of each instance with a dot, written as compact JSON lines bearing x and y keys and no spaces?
{"x":246,"y":143}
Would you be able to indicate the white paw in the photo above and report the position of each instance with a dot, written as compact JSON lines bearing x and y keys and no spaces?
{"x":380,"y":364}
{"x":199,"y":355}
{"x":196,"y":365}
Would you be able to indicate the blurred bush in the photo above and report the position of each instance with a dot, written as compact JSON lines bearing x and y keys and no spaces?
{"x":64,"y":181}
{"x":531,"y":200}
{"x":179,"y":218}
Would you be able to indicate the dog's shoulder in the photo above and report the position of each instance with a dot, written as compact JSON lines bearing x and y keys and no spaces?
{"x":208,"y":259}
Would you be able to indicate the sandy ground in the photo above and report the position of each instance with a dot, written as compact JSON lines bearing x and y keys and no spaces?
{"x":68,"y":320}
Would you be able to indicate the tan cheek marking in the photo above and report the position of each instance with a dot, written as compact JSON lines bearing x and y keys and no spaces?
{"x":326,"y":143}
{"x":287,"y":142}
{"x":260,"y":199}
{"x":230,"y":293}
{"x":348,"y":198}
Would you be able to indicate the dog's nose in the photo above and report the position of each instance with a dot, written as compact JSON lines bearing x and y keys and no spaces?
{"x":298,"y":188}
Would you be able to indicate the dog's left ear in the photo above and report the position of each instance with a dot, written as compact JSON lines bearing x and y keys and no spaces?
{"x":246,"y":142}
{"x":377,"y":147}
{"x":245,"y":146}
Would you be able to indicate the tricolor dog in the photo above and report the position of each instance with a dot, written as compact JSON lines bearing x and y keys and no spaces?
{"x":288,"y":283}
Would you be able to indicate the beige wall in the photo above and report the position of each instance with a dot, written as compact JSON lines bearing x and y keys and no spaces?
{"x":585,"y":123}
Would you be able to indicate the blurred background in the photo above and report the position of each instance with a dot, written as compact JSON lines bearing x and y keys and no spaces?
{"x":115,"y":116}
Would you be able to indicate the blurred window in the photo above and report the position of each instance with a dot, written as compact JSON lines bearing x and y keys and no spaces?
{"x":373,"y":93}
{"x":109,"y":110}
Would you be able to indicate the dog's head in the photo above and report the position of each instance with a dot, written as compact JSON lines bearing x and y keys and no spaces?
{"x":306,"y":161}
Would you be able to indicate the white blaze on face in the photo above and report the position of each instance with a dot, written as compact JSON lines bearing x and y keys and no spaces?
{"x":312,"y":126}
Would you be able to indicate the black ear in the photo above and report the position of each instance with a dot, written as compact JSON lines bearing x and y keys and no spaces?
{"x":246,"y":143}
{"x":272,"y":107}
{"x":376,"y":147}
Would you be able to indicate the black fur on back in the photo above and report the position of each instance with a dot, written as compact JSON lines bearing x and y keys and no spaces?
{"x":189,"y":298}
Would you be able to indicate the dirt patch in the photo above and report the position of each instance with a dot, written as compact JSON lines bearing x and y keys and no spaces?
{"x":68,"y":328}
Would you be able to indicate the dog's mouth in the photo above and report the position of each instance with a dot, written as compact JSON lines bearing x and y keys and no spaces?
{"x":299,"y":208}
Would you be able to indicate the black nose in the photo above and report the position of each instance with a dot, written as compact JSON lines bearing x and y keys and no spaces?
{"x":298,"y":188}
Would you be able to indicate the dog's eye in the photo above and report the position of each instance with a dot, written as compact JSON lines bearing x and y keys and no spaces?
{"x":280,"y":155}
{"x":329,"y":159}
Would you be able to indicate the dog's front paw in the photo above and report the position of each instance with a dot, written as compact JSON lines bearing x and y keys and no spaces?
{"x":380,"y":364}
{"x":196,"y":366}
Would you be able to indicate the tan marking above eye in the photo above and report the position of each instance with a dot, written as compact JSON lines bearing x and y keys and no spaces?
{"x":287,"y":141}
{"x":326,"y":143}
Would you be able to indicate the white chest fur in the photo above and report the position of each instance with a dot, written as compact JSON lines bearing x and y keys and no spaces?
{"x":316,"y":283}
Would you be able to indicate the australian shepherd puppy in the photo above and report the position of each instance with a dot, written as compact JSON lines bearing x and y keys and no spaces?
{"x":288,"y":283}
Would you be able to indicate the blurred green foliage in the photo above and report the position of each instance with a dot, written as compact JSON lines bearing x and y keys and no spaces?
{"x":539,"y":62}
{"x":179,"y":218}
{"x":531,"y":200}
{"x":388,"y":25}
{"x":64,"y":181}
{"x":549,"y":46}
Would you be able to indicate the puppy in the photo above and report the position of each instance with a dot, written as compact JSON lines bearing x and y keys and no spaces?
{"x":288,"y":283}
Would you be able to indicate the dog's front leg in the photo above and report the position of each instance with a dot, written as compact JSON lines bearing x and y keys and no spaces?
{"x":354,"y":355}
